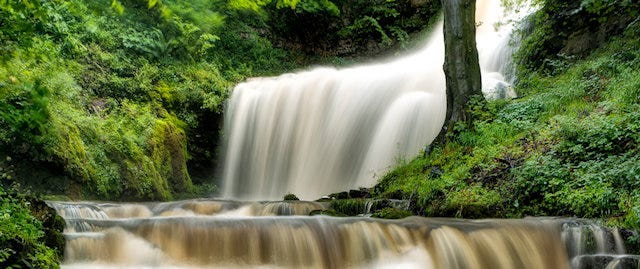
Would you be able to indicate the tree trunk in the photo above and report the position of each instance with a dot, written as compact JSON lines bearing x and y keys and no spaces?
{"x":461,"y":67}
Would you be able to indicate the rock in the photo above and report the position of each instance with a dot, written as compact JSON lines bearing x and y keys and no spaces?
{"x":598,"y":261}
{"x":572,"y":29}
{"x":324,"y":198}
{"x":340,"y":195}
{"x":290,"y":197}
{"x":494,"y":87}
{"x":361,"y":193}
{"x":52,"y":223}
{"x":392,"y":213}
{"x":328,"y":212}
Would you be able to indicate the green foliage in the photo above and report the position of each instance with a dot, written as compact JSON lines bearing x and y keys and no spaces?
{"x":521,"y":114}
{"x":569,"y":146}
{"x":24,"y":112}
{"x":22,"y":236}
{"x":124,"y":96}
{"x":366,"y":25}
{"x":112,"y":91}
{"x":342,"y":27}
{"x":565,"y":23}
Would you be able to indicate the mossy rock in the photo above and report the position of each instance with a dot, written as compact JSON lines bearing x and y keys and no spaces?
{"x":348,"y":207}
{"x":360,"y":193}
{"x":380,"y":204}
{"x":290,"y":197}
{"x":329,"y":212}
{"x":169,"y":154}
{"x":52,"y":224}
{"x":392,"y":213}
{"x":632,"y":240}
{"x":340,"y":195}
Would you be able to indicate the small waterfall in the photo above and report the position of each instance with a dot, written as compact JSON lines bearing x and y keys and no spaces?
{"x":324,"y":130}
{"x":592,"y":246}
{"x":228,"y":234}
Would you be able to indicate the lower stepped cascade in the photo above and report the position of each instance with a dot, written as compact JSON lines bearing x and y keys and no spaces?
{"x":227,"y":234}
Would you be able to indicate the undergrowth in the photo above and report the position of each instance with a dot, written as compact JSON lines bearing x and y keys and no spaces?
{"x":568,"y":147}
{"x":23,"y":242}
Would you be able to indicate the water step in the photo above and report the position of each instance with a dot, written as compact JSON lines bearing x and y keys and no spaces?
{"x":600,"y":261}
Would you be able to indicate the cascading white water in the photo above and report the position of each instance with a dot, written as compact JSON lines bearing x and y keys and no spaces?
{"x":325,"y":130}
{"x":228,"y":234}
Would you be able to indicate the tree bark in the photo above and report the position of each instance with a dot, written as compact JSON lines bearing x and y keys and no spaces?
{"x":461,"y":66}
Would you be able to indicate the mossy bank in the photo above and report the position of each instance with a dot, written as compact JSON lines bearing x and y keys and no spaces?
{"x":568,"y":146}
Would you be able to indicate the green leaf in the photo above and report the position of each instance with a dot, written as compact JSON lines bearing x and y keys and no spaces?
{"x":117,"y":6}
{"x":152,"y":3}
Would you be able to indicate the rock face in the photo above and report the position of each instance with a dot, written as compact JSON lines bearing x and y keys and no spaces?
{"x":570,"y":28}
{"x":52,"y":223}
{"x":593,"y":33}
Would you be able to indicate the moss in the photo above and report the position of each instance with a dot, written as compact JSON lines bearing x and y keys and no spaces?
{"x":168,"y":149}
{"x":290,"y":197}
{"x":392,"y":213}
{"x":328,"y":212}
{"x":348,"y":207}
{"x":128,"y":152}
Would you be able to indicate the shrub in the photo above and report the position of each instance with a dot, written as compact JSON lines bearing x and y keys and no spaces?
{"x":22,"y":236}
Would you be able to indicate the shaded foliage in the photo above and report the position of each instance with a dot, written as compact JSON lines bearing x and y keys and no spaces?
{"x":30,"y":233}
{"x":348,"y":27}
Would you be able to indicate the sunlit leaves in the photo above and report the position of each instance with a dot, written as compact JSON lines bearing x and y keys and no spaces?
{"x":248,"y":4}
{"x":257,"y":5}
{"x":115,"y":4}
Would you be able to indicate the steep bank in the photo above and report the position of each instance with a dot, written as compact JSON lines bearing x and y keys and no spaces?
{"x":569,"y":146}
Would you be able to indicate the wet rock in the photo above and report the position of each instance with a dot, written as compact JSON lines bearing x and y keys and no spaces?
{"x":328,"y":212}
{"x":392,"y":213}
{"x":599,"y":261}
{"x":52,"y":223}
{"x":290,"y":197}
{"x":340,"y":195}
{"x":360,"y":193}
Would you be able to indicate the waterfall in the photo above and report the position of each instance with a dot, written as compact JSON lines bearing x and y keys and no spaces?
{"x":325,"y":130}
{"x":227,"y":234}
{"x":320,"y":131}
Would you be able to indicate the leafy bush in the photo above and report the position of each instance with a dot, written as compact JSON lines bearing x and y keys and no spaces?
{"x":22,"y":243}
{"x":351,"y":27}
{"x":115,"y":94}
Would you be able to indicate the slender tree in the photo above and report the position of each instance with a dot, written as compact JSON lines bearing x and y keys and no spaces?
{"x":461,"y":66}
